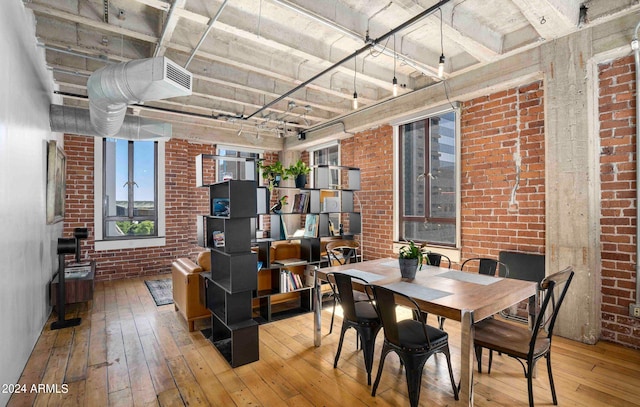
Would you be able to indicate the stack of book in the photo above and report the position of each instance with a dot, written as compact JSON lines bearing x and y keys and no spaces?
{"x":301,"y":203}
{"x":289,"y":281}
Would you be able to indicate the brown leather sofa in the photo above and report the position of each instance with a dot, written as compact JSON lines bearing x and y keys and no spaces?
{"x":186,"y":287}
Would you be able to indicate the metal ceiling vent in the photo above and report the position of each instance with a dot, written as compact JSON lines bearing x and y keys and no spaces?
{"x":113,"y":87}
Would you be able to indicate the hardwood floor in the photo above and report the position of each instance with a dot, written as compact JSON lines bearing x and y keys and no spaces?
{"x":129,"y":352}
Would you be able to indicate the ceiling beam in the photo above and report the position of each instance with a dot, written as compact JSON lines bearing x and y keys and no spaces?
{"x":62,"y":15}
{"x":263,"y":41}
{"x":169,"y":27}
{"x":97,"y":55}
{"x":551,"y":18}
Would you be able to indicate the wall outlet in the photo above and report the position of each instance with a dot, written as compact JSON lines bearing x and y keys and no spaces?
{"x":634,"y":310}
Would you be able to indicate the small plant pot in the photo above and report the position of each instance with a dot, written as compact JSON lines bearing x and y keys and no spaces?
{"x":301,"y":180}
{"x":408,"y":268}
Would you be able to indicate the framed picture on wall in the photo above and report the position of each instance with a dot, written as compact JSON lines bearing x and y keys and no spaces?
{"x":56,"y":182}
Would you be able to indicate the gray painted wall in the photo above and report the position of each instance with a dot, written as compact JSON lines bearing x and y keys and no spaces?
{"x":27,"y":244}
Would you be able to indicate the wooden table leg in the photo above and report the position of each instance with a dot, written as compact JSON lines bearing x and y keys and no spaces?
{"x":466,"y":357}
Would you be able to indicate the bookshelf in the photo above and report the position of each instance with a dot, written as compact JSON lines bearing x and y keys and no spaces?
{"x":227,"y":233}
{"x":329,"y":205}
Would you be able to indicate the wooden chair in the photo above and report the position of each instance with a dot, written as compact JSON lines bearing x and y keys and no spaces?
{"x":412,"y":340}
{"x":521,"y":343}
{"x":340,"y":252}
{"x":360,"y":316}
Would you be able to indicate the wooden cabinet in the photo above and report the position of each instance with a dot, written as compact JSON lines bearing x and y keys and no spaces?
{"x":78,"y":283}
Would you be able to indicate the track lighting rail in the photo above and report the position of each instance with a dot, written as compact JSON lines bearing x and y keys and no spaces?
{"x":366,"y":47}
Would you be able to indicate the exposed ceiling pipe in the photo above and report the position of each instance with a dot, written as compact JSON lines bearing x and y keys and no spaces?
{"x":76,"y":120}
{"x":635,"y":46}
{"x":206,"y":32}
{"x":424,"y":69}
{"x":113,"y":87}
{"x":370,"y":44}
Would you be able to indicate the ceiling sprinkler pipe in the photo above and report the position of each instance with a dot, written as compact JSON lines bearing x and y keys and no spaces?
{"x":636,"y":52}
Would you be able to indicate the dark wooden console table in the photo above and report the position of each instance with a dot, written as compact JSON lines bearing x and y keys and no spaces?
{"x":78,"y":283}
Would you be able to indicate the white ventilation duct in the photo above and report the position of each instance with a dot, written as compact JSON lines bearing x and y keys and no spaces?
{"x":75,"y":120}
{"x":113,"y":87}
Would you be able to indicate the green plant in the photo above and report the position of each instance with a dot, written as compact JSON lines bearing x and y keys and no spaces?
{"x":299,"y":168}
{"x":412,"y":251}
{"x":273,"y":172}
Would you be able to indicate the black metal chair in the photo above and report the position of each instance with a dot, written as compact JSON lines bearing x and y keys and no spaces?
{"x":486,"y":266}
{"x":412,"y":340}
{"x":521,"y":343}
{"x":340,"y":252}
{"x":361,"y":316}
{"x":434,"y":259}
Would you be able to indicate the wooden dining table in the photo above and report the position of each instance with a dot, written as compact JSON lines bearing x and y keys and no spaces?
{"x":457,"y":295}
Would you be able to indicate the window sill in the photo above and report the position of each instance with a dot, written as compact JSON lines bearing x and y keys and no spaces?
{"x":101,"y":245}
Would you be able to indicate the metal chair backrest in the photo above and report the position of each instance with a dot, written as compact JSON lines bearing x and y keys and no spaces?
{"x":551,"y":304}
{"x":487,"y":266}
{"x":435,"y":259}
{"x":342,"y":251}
{"x":343,"y":284}
{"x":386,"y":301}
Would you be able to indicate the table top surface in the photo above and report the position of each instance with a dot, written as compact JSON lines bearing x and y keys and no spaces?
{"x":444,"y":292}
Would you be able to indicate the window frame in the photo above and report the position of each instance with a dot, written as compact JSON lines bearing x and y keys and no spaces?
{"x":102,"y":243}
{"x":312,"y":162}
{"x":452,"y":250}
{"x":221,"y":147}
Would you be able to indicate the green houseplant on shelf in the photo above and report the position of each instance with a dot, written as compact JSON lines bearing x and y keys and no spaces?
{"x":298,"y":172}
{"x":410,"y":258}
{"x":273,"y":173}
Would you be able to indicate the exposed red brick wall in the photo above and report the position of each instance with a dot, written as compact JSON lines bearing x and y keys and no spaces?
{"x":618,"y":203}
{"x":491,"y":128}
{"x":183,"y":203}
{"x":372,"y":152}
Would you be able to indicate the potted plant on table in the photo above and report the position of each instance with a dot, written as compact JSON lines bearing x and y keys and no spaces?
{"x":273,"y":173}
{"x":411,"y":258}
{"x":299,"y":172}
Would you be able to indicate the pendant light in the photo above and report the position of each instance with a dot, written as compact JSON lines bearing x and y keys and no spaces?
{"x":441,"y":60}
{"x":355,"y":92}
{"x":395,"y":80}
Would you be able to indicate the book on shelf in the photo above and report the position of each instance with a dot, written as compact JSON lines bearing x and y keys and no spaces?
{"x":220,"y":206}
{"x":217,"y":238}
{"x":332,"y":229}
{"x":301,"y":203}
{"x":284,"y":235}
{"x":311,"y":225}
{"x":331,"y":204}
{"x":289,"y":281}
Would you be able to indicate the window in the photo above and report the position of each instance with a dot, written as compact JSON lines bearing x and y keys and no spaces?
{"x":428,"y":180}
{"x":129,"y":189}
{"x":129,"y":193}
{"x":327,"y":155}
{"x":233,"y":169}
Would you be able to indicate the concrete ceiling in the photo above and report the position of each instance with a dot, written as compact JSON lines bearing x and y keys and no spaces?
{"x":258,"y":51}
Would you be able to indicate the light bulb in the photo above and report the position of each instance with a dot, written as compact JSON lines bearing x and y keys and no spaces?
{"x":355,"y":100}
{"x":395,"y":86}
{"x":441,"y":67}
